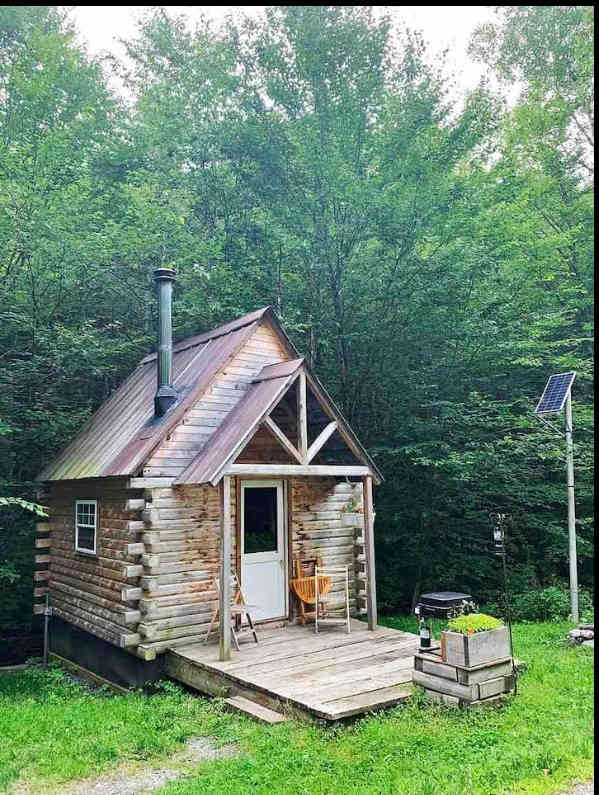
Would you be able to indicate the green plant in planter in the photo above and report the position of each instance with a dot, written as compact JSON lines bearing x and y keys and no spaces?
{"x":352,"y":506}
{"x":472,"y":623}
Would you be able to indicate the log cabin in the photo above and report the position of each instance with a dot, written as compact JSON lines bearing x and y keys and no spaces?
{"x":220,"y":453}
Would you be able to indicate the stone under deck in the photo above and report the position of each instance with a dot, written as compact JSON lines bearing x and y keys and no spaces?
{"x":330,"y":675}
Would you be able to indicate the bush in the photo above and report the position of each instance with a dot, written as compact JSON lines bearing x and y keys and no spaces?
{"x":474,"y":622}
{"x":549,"y":604}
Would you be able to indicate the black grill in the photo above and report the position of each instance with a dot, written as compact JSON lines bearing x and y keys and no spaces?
{"x":443,"y":604}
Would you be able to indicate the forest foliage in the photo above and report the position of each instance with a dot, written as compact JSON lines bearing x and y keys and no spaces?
{"x":431,"y":257}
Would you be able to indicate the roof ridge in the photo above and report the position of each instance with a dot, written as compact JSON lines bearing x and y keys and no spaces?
{"x":219,"y":331}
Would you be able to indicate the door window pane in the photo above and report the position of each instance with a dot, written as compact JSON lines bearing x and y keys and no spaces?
{"x":260,"y":519}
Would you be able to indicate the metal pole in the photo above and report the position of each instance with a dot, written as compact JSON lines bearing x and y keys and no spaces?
{"x":508,"y":610}
{"x":47,"y":614}
{"x":224,"y":596}
{"x":571,"y":512}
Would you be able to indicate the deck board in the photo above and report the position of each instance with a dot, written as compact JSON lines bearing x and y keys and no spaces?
{"x":331,"y":675}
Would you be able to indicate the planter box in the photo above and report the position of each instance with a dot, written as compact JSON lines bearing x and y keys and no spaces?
{"x":352,"y":519}
{"x":468,"y":651}
{"x":461,"y":687}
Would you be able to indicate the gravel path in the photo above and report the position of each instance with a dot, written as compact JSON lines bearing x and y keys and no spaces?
{"x":146,"y":779}
{"x":588,"y":788}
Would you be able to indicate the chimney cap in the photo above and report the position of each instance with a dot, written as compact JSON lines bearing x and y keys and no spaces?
{"x":164,"y":274}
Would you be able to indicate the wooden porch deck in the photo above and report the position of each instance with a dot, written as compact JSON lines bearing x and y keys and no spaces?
{"x":330,"y":675}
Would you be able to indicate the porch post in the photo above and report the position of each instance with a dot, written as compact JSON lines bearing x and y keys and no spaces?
{"x":369,"y":549}
{"x":225,"y":570}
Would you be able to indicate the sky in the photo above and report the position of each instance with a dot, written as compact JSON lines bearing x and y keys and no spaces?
{"x":443,"y":27}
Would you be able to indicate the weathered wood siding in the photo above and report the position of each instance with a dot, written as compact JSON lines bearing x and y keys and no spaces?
{"x":263,"y":448}
{"x":318,"y":529}
{"x":189,"y":437}
{"x":85,"y":589}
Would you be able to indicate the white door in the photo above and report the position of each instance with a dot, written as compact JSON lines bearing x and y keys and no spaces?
{"x":263,"y":570}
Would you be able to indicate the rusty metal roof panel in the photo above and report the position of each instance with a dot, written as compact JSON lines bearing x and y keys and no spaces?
{"x":119,"y":437}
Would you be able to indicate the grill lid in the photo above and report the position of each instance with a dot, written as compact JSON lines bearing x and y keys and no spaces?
{"x":444,"y":599}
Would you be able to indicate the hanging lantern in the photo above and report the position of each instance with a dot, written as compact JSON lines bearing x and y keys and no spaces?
{"x":498,"y":532}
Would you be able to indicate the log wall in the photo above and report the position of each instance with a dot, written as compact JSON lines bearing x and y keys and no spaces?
{"x":86,"y":589}
{"x":318,"y":529}
{"x":151,"y":584}
{"x":180,"y":564}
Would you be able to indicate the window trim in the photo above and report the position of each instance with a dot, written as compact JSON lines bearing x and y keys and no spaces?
{"x":85,"y":550}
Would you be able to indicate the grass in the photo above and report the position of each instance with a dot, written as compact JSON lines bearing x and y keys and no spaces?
{"x":54,"y":730}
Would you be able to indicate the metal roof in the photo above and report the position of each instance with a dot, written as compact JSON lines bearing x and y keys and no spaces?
{"x":119,"y":437}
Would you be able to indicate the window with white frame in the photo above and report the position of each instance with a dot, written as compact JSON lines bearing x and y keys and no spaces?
{"x":86,"y":525}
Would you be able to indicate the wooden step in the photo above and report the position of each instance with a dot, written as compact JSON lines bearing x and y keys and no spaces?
{"x":254,"y":710}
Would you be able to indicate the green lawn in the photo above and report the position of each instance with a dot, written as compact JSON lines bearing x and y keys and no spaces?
{"x":53,"y":730}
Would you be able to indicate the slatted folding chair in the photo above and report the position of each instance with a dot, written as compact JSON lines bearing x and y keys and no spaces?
{"x":239,"y":609}
{"x":323,"y":577}
{"x":303,"y":586}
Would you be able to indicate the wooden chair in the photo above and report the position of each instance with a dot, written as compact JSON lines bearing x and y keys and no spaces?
{"x":303,"y":586}
{"x":239,"y":609}
{"x":322,"y":603}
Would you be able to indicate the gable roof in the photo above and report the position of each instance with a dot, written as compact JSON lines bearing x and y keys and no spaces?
{"x":240,"y":424}
{"x":120,"y":437}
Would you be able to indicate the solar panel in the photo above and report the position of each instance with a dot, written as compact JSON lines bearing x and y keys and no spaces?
{"x":555,"y":393}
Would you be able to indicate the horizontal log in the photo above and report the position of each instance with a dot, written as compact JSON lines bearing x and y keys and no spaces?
{"x":178,"y":582}
{"x":200,"y":533}
{"x":112,"y":636}
{"x":129,"y":639}
{"x":41,"y":576}
{"x":157,"y":647}
{"x":108,"y":590}
{"x":132,"y":570}
{"x":43,"y":543}
{"x":135,"y":525}
{"x":42,"y":559}
{"x":181,"y":615}
{"x":145,"y":653}
{"x":131,"y":594}
{"x":94,"y":573}
{"x":43,"y":527}
{"x":152,"y":611}
{"x":92,"y":599}
{"x":135,"y":504}
{"x":40,"y":592}
{"x":191,"y":545}
{"x":175,"y":632}
{"x":135,"y":549}
{"x":440,"y":685}
{"x":94,"y":611}
{"x":149,"y":483}
{"x":93,"y":618}
{"x":174,"y":569}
